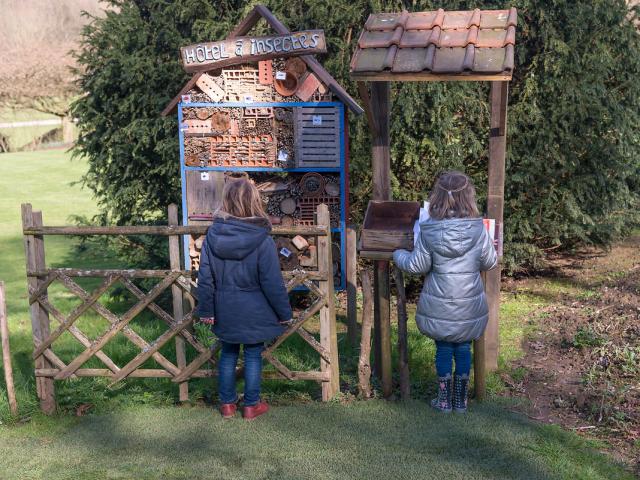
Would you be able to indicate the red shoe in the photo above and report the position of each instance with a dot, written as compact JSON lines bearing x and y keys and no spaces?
{"x":249,"y":413}
{"x":228,"y":410}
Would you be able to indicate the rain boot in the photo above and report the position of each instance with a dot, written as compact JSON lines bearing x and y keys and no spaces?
{"x":460,"y":393}
{"x":443,"y":401}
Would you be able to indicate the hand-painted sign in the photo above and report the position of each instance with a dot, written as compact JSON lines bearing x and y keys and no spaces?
{"x":211,"y":55}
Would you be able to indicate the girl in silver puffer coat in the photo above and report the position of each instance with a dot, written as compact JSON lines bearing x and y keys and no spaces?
{"x":453,"y":247}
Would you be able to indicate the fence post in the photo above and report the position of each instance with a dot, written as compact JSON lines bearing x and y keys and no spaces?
{"x":364,"y":362}
{"x":328,"y":334}
{"x":403,"y":342}
{"x":352,"y":286}
{"x":35,"y":260}
{"x":176,"y":292}
{"x":6,"y":353}
{"x":480,"y":360}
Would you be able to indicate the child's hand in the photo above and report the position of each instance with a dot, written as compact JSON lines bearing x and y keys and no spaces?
{"x":286,"y":322}
{"x":208,"y":320}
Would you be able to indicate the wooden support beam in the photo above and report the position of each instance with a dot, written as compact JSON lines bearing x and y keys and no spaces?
{"x":364,"y":362}
{"x":352,"y":286}
{"x":328,"y":333}
{"x":495,"y":209}
{"x":403,"y":343}
{"x":35,"y":260}
{"x":381,"y":173}
{"x":176,"y":294}
{"x":6,"y":353}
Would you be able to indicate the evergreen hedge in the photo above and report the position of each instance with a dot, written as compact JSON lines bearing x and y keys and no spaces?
{"x":573,"y":155}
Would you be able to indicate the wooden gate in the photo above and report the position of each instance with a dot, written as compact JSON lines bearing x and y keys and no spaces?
{"x":49,"y":367}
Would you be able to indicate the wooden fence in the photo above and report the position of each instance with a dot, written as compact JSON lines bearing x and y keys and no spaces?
{"x":49,"y":367}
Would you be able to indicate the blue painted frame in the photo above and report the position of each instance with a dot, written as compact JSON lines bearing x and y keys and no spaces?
{"x":339,"y":170}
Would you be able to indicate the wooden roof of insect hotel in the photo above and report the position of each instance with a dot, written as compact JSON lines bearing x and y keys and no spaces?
{"x":437,"y":45}
{"x":260,"y":11}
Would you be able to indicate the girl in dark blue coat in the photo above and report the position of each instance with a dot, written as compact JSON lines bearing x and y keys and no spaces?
{"x":241,"y":292}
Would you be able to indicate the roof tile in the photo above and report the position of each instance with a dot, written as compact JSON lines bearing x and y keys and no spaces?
{"x":454,"y":38}
{"x":458,"y":42}
{"x":489,"y":60}
{"x":424,"y":20}
{"x":370,"y":60}
{"x":410,"y":60}
{"x":448,"y":60}
{"x":457,"y":19}
{"x":494,"y":19}
{"x":376,"y":39}
{"x":383,"y":21}
{"x":489,"y":38}
{"x":415,"y":38}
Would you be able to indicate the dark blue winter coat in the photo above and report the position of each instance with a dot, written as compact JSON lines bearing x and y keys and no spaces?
{"x":240,"y":283}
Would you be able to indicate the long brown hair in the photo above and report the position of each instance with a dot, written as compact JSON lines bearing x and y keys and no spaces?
{"x":241,"y":198}
{"x":453,"y":196}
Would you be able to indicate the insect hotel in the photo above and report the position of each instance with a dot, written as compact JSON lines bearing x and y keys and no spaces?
{"x":265,"y":109}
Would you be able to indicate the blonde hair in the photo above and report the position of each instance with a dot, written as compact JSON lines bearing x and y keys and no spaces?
{"x":453,"y":196}
{"x":241,"y":198}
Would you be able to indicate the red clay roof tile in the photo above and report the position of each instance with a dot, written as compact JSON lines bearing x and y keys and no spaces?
{"x":415,"y":38}
{"x":410,"y":60}
{"x":448,"y":60}
{"x":456,"y":42}
{"x":489,"y":60}
{"x":454,"y":38}
{"x":424,"y":20}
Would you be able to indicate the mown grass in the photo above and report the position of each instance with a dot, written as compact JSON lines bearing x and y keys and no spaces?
{"x":373,"y":440}
{"x":134,"y":431}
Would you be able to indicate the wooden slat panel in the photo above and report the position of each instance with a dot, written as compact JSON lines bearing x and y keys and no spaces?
{"x":317,"y":145}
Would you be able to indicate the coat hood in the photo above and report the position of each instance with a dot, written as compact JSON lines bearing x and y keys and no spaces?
{"x":234,"y":238}
{"x":451,"y":237}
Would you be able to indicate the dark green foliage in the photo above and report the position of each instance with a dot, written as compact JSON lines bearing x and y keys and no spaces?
{"x":572,"y":165}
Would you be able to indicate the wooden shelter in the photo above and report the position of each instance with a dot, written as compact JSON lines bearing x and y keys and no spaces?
{"x":475,"y":45}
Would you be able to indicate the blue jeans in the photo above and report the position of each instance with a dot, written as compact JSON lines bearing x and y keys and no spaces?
{"x":252,"y":372}
{"x":447,"y":351}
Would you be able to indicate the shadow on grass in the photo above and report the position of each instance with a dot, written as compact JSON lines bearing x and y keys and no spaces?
{"x":372,"y":440}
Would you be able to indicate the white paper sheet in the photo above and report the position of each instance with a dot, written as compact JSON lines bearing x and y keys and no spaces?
{"x":423,"y":217}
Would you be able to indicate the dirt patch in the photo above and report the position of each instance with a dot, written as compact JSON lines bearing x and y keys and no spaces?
{"x":581,"y":367}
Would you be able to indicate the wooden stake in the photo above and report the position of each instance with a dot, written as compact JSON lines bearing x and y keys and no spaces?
{"x":6,"y":353}
{"x":384,"y":309}
{"x":364,"y":362}
{"x":34,"y":255}
{"x":328,"y":333}
{"x":480,"y":361}
{"x":178,"y":309}
{"x":352,"y":286}
{"x":403,"y":346}
{"x":495,"y":209}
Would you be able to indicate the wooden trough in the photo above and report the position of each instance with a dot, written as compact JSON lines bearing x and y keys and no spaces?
{"x":388,"y":226}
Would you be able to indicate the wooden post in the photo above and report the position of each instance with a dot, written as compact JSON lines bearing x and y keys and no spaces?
{"x":328,"y":333}
{"x":403,"y":344}
{"x":6,"y":353}
{"x":352,"y":286}
{"x":35,"y":260}
{"x":364,"y":362}
{"x":480,"y":363}
{"x":176,"y":292}
{"x":381,"y":172}
{"x":495,"y":209}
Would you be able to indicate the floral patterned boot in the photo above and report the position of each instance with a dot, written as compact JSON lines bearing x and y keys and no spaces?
{"x":443,"y":401}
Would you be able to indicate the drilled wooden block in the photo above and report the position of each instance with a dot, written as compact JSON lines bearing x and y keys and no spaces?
{"x":265,"y":72}
{"x":198,"y":126}
{"x":208,"y":85}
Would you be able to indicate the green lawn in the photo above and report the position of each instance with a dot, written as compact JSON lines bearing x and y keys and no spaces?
{"x":134,"y":431}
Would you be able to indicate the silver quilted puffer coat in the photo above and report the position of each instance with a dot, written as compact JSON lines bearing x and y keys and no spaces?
{"x":452,"y":252}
